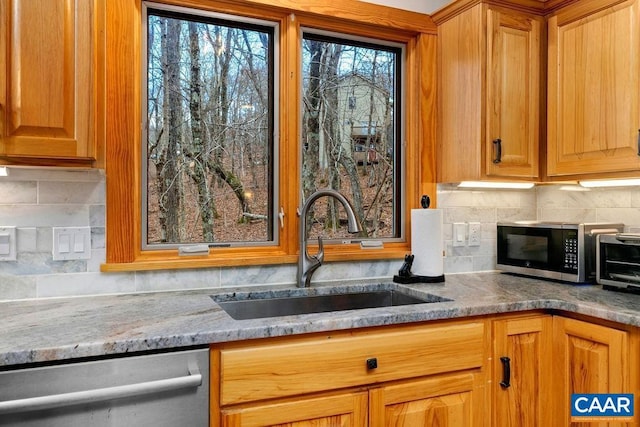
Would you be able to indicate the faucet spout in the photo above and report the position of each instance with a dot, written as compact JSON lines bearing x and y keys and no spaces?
{"x":308,"y":264}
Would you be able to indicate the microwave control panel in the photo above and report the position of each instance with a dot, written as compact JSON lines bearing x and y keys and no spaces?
{"x":571,"y":250}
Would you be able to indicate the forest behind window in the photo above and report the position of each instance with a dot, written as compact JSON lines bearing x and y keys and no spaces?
{"x":350,"y":132}
{"x":209,"y":162}
{"x":209,"y":152}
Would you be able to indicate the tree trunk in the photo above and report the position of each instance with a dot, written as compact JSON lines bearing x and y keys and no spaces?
{"x":196,"y":152}
{"x":311,"y":147}
{"x":341,"y":153}
{"x":169,"y":182}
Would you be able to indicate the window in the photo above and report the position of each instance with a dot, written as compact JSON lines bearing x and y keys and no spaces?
{"x":351,"y":131}
{"x":208,"y":160}
{"x":251,"y":112}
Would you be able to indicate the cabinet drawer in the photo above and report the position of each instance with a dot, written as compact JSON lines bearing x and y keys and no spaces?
{"x":310,"y":364}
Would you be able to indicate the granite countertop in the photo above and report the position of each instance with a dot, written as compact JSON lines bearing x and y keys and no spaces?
{"x":60,"y":329}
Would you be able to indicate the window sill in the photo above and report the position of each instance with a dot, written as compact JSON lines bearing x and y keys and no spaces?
{"x":169,"y":260}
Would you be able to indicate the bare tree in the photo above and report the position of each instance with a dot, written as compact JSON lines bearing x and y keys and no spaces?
{"x":220,"y":108}
{"x":198,"y":166}
{"x":312,"y":129}
{"x":169,"y":183}
{"x":323,"y":130}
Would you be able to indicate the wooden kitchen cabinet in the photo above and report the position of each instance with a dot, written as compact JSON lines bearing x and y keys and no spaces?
{"x":489,"y":92}
{"x":52,"y":82}
{"x":550,"y":358}
{"x":594,"y":89}
{"x":402,"y":376}
{"x":348,"y":410}
{"x":522,"y":372}
{"x":453,"y":400}
{"x":588,"y":358}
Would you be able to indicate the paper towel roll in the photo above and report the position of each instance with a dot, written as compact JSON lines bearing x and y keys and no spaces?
{"x":426,"y":242}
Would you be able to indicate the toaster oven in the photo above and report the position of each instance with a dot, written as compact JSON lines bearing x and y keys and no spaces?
{"x":618,"y":261}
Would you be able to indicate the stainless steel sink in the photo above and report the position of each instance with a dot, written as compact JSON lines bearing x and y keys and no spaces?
{"x":253,"y":307}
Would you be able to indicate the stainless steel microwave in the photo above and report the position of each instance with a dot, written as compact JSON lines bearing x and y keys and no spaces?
{"x":618,"y":261}
{"x":551,"y":250}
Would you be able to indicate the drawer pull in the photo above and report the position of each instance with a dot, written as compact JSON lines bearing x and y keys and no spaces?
{"x":372,"y":363}
{"x":506,"y":372}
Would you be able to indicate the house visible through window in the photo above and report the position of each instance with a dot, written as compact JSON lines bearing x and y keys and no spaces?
{"x":351,"y":131}
{"x":209,"y":149}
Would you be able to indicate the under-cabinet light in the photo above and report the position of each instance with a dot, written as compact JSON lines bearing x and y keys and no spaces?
{"x":572,"y":188}
{"x":495,"y":184}
{"x":610,"y":183}
{"x":4,"y":171}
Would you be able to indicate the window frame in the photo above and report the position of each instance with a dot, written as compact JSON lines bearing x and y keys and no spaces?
{"x":124,"y":87}
{"x":180,"y":12}
{"x":399,"y":132}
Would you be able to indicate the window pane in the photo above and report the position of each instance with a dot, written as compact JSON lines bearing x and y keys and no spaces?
{"x":209,"y":140}
{"x":351,"y":133}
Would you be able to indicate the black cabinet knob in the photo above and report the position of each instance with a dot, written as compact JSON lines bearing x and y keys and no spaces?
{"x":372,"y":363}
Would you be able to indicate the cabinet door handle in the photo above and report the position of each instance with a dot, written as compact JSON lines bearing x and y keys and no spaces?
{"x":498,"y":144}
{"x":506,"y":372}
{"x":372,"y":363}
{"x":638,"y":142}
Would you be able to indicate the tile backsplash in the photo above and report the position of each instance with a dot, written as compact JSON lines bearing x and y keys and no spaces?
{"x":36,"y":200}
{"x":568,"y":203}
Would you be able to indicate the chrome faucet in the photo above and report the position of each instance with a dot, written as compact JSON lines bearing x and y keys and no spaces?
{"x":307,"y":264}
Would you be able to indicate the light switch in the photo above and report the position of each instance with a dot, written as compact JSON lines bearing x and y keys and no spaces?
{"x":459,"y":234}
{"x":63,"y":243}
{"x":5,"y":244}
{"x":8,"y":244}
{"x":78,"y":243}
{"x":71,"y":243}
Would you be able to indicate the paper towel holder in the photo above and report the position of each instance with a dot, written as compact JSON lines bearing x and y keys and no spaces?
{"x":405,"y":276}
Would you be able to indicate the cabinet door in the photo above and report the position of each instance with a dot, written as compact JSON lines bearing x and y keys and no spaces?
{"x":49,"y":91}
{"x":590,"y":359}
{"x":345,"y":410}
{"x":522,"y":372}
{"x":488,"y":89}
{"x":454,"y":401}
{"x":460,"y":102}
{"x":513,"y":93}
{"x":594,"y":88}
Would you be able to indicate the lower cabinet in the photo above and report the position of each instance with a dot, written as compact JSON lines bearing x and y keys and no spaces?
{"x":346,"y":409}
{"x":589,"y":358}
{"x":516,"y":370}
{"x":413,"y":376}
{"x":522,"y":385}
{"x":445,"y":401}
{"x":454,"y":400}
{"x":540,"y":361}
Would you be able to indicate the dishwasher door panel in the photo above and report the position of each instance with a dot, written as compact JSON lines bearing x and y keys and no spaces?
{"x":168,"y":389}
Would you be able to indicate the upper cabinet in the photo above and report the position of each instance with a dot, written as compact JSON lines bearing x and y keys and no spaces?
{"x":489,"y":93}
{"x":594,"y":89}
{"x":52,"y":82}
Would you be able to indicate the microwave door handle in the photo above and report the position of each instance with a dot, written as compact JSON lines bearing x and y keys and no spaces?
{"x":628,"y":237}
{"x":597,"y":231}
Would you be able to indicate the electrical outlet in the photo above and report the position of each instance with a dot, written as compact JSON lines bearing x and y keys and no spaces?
{"x":475,"y":233}
{"x":459,"y":234}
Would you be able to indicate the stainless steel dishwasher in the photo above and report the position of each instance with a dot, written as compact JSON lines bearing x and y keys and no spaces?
{"x":166,"y":389}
